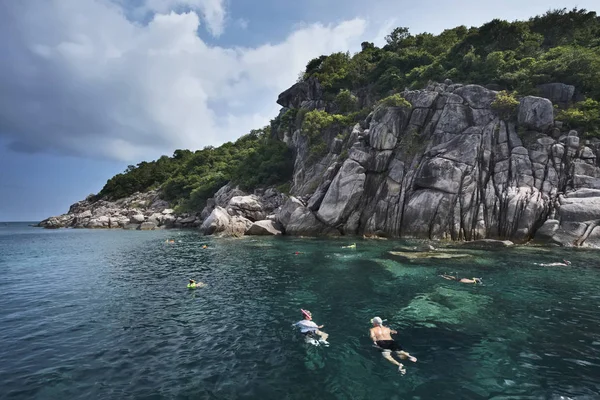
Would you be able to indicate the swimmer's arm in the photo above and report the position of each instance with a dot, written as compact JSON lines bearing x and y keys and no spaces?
{"x":320,"y":326}
{"x":393,"y":332}
{"x":373,"y":338}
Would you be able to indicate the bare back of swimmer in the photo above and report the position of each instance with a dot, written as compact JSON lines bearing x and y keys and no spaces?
{"x":382,"y":338}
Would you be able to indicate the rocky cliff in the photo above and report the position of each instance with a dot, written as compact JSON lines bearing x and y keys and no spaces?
{"x":449,"y":166}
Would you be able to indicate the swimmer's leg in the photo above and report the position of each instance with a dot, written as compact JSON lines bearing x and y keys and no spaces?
{"x":323,"y":335}
{"x":388,"y":356}
{"x":404,"y":355}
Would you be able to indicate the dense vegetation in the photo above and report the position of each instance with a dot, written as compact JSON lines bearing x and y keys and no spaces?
{"x":560,"y":46}
{"x":188,"y":178}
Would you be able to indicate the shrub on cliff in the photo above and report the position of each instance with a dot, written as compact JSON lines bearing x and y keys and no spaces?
{"x":505,"y":104}
{"x":584,"y":116}
{"x":315,"y":125}
{"x":395,"y":100}
{"x":346,"y":101}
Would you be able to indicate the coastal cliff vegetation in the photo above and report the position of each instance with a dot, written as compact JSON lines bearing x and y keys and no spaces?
{"x":512,"y":57}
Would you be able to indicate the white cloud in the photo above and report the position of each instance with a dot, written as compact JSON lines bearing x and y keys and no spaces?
{"x":212,"y":11}
{"x":82,"y":79}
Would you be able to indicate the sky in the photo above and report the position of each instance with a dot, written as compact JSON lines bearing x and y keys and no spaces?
{"x":88,"y":87}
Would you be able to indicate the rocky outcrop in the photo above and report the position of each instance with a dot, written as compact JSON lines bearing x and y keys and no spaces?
{"x":450,"y":167}
{"x":243,"y":213}
{"x":143,"y":211}
{"x":307,"y":94}
{"x":265,"y":228}
{"x":446,"y":167}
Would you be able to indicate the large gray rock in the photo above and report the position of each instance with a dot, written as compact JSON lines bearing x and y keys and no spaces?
{"x":293,"y":97}
{"x":137,"y":218}
{"x":304,"y":223}
{"x":343,"y":193}
{"x":287,"y":209}
{"x":383,"y":133}
{"x":536,"y":113}
{"x":249,"y":207}
{"x":148,"y":226}
{"x":454,"y":119}
{"x":476,"y":96}
{"x":580,"y":209}
{"x":557,"y":92}
{"x":265,"y":228}
{"x":238,"y":225}
{"x":217,"y":221}
{"x":593,"y":240}
{"x":440,"y":174}
{"x":225,"y":194}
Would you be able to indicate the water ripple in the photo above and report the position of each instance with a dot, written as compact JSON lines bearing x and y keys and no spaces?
{"x":106,"y":315}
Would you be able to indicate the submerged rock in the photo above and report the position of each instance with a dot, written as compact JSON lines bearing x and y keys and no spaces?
{"x":411,"y":256}
{"x":457,"y":307}
{"x":487,"y":244}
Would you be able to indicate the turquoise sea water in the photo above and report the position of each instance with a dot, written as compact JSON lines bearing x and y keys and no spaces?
{"x":106,"y":315}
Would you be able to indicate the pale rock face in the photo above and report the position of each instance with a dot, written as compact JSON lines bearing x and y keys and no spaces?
{"x":137,"y":218}
{"x":217,"y":221}
{"x":249,"y":207}
{"x":265,"y":228}
{"x":288,"y":209}
{"x":148,"y":226}
{"x":536,"y":113}
{"x":343,"y":193}
{"x":451,"y":168}
{"x":303,"y":222}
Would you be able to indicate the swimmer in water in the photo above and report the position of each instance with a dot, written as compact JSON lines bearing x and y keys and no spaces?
{"x":310,"y":329}
{"x":382,"y":339}
{"x":193,"y":284}
{"x":461,"y":280}
{"x":565,"y":263}
{"x":204,"y":246}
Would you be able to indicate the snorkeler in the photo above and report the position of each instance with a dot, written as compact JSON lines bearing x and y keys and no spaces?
{"x":382,"y":339}
{"x":311,"y":330}
{"x":193,"y":284}
{"x":565,"y":263}
{"x":461,"y":280}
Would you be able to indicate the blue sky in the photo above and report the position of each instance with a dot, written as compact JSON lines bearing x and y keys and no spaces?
{"x":90,"y":86}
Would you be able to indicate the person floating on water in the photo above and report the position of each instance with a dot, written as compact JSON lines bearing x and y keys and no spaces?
{"x":310,"y":330}
{"x":461,"y":280}
{"x":382,"y":339}
{"x":169,"y":241}
{"x":565,"y":263}
{"x":352,"y":246}
{"x":193,"y":284}
{"x":204,"y":246}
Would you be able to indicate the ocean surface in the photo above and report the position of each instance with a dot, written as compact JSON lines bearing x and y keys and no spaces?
{"x":98,"y":314}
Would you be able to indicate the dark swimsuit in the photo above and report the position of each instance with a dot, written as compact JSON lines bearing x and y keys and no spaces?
{"x":389,"y":345}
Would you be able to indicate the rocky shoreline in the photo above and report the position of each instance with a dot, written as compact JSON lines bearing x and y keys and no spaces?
{"x":449,"y":167}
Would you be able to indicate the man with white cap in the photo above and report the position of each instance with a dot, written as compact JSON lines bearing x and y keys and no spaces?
{"x":382,"y":338}
{"x":310,"y":329}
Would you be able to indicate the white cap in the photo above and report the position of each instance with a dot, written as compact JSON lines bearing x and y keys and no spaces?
{"x":377,"y":321}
